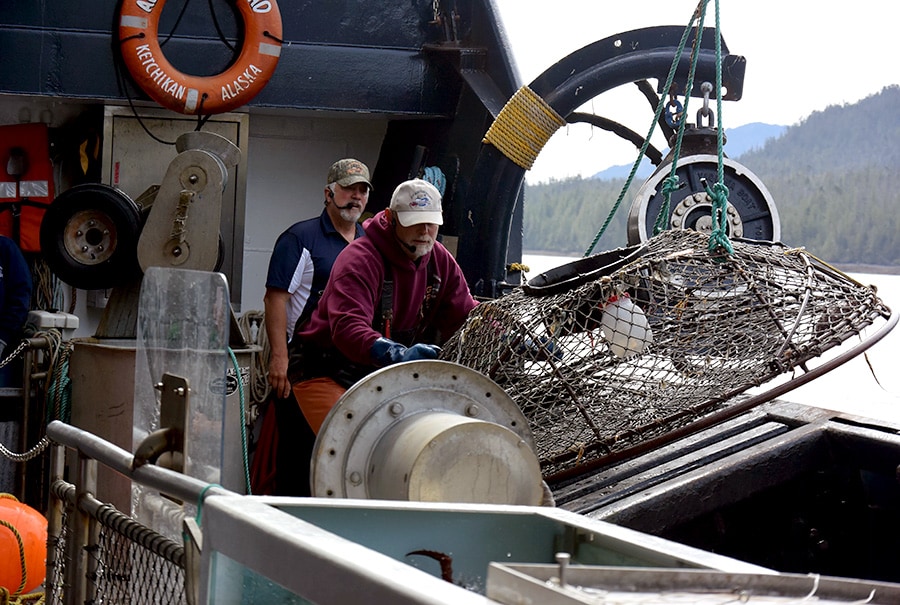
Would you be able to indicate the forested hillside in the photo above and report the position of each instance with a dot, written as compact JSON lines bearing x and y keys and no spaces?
{"x":833,"y":177}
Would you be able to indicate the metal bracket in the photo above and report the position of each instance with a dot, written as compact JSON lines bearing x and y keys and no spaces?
{"x":166,"y":445}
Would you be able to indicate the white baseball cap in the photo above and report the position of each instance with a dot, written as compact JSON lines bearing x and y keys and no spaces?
{"x":415,"y":202}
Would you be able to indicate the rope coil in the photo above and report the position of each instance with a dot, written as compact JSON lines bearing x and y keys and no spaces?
{"x":523,"y":127}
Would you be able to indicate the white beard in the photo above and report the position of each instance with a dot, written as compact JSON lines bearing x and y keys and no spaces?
{"x":351,"y":215}
{"x":422,"y":250}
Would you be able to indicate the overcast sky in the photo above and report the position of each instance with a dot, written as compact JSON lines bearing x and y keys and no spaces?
{"x":802,"y":56}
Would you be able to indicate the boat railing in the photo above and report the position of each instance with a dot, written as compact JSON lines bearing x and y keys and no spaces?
{"x":97,"y":553}
{"x":271,"y":549}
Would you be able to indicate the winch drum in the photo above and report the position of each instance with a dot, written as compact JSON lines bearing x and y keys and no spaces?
{"x":427,"y":431}
{"x":751,"y":211}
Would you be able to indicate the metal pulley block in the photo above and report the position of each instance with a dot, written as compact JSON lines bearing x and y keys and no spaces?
{"x":430,"y":431}
{"x":216,"y":144}
{"x":751,"y":211}
{"x":182,"y":229}
{"x":94,"y":236}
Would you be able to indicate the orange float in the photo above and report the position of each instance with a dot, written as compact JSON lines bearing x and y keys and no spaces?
{"x":23,"y":543}
{"x":201,"y":95}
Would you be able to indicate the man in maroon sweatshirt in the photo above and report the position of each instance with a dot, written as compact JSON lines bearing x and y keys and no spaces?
{"x":393,"y":296}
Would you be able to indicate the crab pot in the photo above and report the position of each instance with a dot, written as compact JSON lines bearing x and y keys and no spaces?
{"x":640,"y":370}
{"x":624,"y":348}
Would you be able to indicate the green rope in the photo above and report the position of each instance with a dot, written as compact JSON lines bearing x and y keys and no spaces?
{"x":60,"y":390}
{"x":669,"y":186}
{"x":659,"y":109}
{"x":670,"y":183}
{"x":200,"y":500}
{"x":185,"y":534}
{"x":240,"y":383}
{"x":718,"y":239}
{"x":718,"y":193}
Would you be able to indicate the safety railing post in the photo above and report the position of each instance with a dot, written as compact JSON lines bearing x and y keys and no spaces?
{"x":92,"y":551}
{"x":78,"y":567}
{"x":55,"y":507}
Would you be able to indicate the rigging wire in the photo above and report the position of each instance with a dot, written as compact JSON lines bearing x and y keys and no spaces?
{"x":718,"y":193}
{"x":657,"y":114}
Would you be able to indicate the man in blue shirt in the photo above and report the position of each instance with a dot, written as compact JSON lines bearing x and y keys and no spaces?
{"x":15,"y":302}
{"x":15,"y":292}
{"x":298,"y":271}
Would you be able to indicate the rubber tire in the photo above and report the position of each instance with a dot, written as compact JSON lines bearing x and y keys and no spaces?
{"x":119,"y":225}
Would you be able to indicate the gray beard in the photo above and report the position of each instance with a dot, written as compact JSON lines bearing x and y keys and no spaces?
{"x":422,"y":250}
{"x":351,"y":215}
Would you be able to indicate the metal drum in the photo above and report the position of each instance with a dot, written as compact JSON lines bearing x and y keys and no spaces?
{"x":430,"y":431}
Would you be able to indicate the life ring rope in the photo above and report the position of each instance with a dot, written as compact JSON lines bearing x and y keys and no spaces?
{"x":200,"y":95}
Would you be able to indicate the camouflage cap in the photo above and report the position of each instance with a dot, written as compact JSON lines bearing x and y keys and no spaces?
{"x":348,"y":172}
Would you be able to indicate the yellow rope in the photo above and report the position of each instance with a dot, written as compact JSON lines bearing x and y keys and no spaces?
{"x":524,"y":126}
{"x":15,"y":532}
{"x":35,"y":598}
{"x":15,"y":598}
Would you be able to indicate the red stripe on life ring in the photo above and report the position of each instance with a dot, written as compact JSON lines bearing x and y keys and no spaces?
{"x":187,"y":94}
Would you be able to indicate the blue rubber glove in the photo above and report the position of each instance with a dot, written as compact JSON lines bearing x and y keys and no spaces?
{"x":385,"y":352}
{"x":421,"y":351}
{"x":541,"y":350}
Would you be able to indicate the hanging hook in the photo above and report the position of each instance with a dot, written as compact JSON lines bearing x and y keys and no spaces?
{"x":705,"y":112}
{"x":674,"y":112}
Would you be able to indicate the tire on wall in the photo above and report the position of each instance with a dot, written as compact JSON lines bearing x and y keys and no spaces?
{"x":89,"y":237}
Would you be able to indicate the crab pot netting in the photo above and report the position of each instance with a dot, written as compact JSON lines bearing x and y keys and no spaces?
{"x":612,"y":350}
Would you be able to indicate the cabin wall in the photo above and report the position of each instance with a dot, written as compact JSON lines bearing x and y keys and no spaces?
{"x":287,"y":162}
{"x":380,"y":83}
{"x":350,"y":55}
{"x":288,"y":165}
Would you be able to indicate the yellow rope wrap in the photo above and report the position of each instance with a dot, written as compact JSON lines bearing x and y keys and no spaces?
{"x":524,"y":126}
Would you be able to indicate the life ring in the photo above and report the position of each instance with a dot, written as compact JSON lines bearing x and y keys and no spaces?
{"x":183,"y":93}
